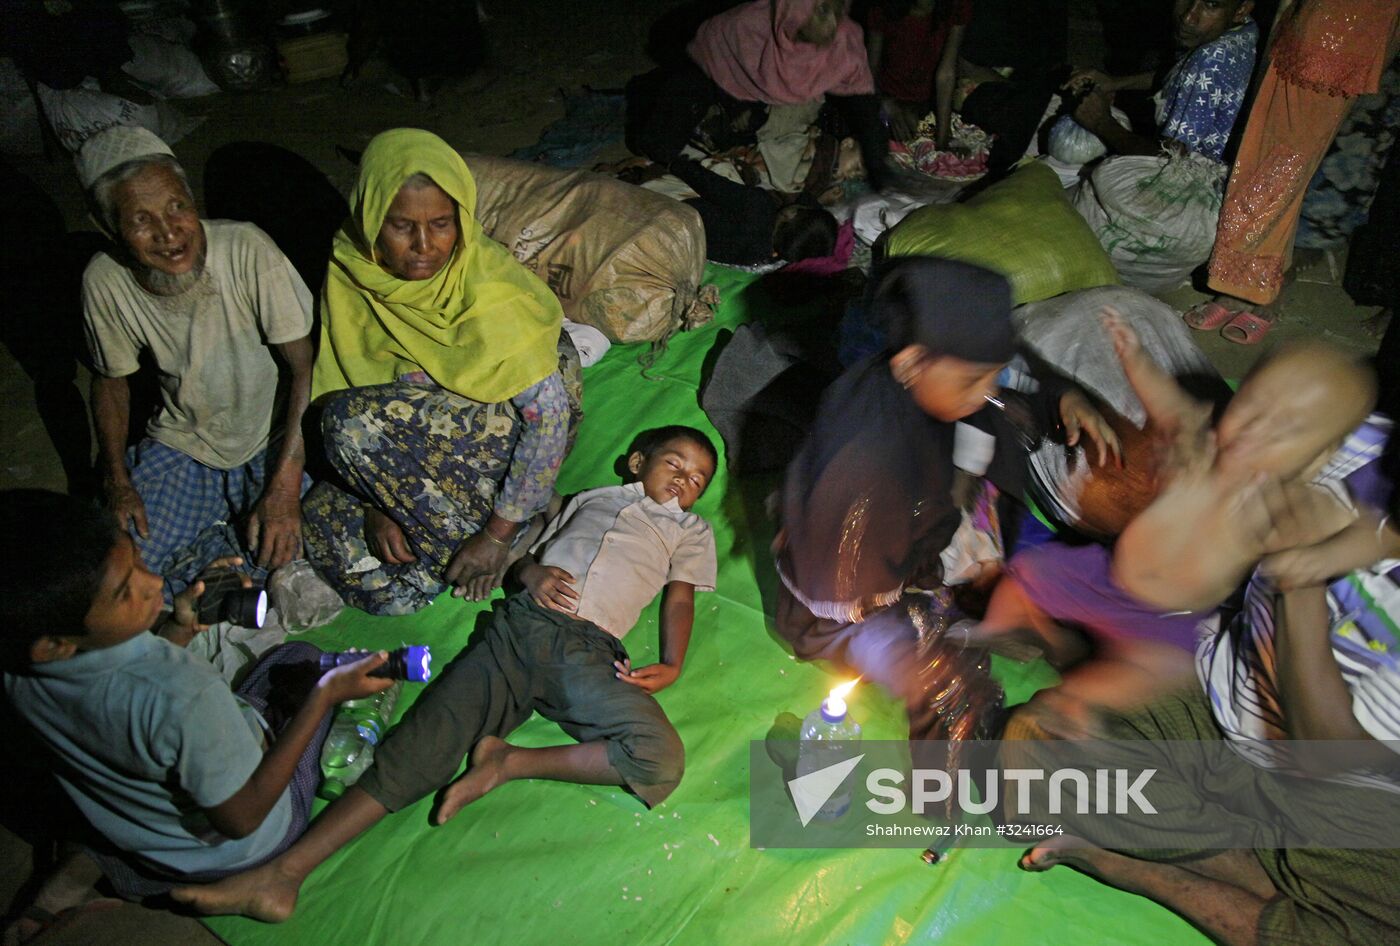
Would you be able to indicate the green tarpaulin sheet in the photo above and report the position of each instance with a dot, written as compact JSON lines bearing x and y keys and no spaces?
{"x":544,"y":862}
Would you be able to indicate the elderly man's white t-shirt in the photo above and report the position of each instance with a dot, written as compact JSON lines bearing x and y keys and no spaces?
{"x":218,"y":376}
{"x":622,"y":548}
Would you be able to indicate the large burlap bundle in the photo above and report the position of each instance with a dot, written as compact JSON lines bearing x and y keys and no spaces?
{"x":622,"y":259}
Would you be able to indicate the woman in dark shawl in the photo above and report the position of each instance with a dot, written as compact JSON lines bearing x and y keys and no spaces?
{"x":868,"y":503}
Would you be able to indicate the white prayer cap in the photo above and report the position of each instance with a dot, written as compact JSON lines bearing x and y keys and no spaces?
{"x":114,"y":146}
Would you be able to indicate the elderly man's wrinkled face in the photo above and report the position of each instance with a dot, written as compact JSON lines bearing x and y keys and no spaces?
{"x":1204,"y":21}
{"x":158,"y":222}
{"x":419,"y":233}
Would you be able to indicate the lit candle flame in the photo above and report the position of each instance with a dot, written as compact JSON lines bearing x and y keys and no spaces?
{"x":842,"y":691}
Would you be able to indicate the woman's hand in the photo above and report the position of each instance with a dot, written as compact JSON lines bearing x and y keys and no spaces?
{"x":477,"y":567}
{"x":1082,"y":419}
{"x":904,"y":119}
{"x":385,"y":539}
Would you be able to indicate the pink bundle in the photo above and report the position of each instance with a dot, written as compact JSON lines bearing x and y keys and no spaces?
{"x":923,"y":156}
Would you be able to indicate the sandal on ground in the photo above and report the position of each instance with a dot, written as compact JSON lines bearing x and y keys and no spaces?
{"x":44,"y":922}
{"x":1208,"y":316}
{"x":32,"y":923}
{"x":1246,"y":328}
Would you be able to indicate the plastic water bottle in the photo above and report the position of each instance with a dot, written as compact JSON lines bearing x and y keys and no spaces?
{"x":349,"y":747}
{"x":827,"y":737}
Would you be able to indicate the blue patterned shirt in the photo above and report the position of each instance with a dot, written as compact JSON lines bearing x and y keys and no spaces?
{"x":1202,"y":94}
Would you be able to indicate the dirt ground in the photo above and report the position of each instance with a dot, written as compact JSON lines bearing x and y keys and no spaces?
{"x":538,"y":49}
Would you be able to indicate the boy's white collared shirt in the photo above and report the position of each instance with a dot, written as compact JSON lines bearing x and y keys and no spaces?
{"x":622,"y":547}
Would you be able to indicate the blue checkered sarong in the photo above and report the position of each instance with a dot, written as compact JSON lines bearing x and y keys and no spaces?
{"x":188,"y":509}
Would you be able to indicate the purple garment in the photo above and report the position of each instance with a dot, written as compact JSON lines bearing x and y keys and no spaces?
{"x":1073,"y":585}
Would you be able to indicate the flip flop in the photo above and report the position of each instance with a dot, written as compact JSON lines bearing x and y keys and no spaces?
{"x":47,"y":922}
{"x":1208,"y":316}
{"x":1246,"y":328}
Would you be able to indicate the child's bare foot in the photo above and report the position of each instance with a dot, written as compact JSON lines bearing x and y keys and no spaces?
{"x":485,"y":773}
{"x":263,"y":893}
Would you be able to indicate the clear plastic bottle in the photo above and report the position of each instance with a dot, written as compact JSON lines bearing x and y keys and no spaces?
{"x":355,"y":731}
{"x":828,"y":736}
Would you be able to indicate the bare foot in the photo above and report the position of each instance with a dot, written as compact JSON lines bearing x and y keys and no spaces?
{"x":263,"y":893}
{"x":484,"y":774}
{"x":1236,"y":304}
{"x":1065,"y":849}
{"x":1375,"y":325}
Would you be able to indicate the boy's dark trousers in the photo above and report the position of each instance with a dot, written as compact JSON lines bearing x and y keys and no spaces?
{"x":528,"y":660}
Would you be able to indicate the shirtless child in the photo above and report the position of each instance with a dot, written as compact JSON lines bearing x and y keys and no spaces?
{"x":1231,"y":495}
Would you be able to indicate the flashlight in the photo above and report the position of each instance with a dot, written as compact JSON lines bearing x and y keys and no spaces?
{"x":411,"y":662}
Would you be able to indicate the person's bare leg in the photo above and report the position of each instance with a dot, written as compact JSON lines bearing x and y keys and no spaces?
{"x":1223,"y":911}
{"x":1015,"y":627}
{"x":495,"y":762}
{"x":269,"y":893}
{"x":1239,"y":868}
{"x":1376,"y":325}
{"x":1129,"y":675}
{"x":69,"y":885}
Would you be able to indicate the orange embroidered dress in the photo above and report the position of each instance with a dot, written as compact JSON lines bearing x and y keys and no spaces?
{"x":1327,"y":53}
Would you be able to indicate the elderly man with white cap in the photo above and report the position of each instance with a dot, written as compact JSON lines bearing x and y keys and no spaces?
{"x":209,"y":300}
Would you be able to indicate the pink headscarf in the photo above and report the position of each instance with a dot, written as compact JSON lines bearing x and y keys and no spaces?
{"x":752,"y":53}
{"x":837,"y":262}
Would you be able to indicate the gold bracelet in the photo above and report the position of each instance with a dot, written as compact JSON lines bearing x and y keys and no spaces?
{"x":493,"y":540}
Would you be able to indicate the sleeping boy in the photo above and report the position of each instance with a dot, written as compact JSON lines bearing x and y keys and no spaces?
{"x":1253,"y":486}
{"x":555,"y":649}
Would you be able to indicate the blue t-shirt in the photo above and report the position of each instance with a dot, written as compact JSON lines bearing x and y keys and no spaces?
{"x":146,"y":736}
{"x":1202,"y":94}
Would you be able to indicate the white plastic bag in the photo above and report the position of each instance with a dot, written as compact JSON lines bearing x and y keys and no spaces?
{"x":79,"y":113}
{"x":167,"y":69}
{"x":1155,"y":216}
{"x":1072,"y":143}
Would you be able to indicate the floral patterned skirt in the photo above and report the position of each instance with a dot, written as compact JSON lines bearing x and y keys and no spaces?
{"x":432,"y":460}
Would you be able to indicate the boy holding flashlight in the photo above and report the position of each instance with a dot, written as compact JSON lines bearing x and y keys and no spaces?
{"x":183,"y":778}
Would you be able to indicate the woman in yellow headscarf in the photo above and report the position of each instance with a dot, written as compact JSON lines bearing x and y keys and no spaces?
{"x":439,"y":376}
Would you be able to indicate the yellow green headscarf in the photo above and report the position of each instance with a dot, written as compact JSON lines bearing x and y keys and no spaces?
{"x":484,"y":327}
